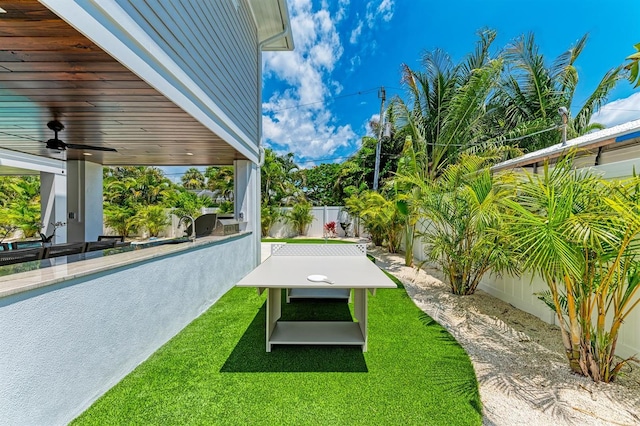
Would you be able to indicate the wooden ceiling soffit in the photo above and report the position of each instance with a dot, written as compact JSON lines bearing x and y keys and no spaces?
{"x":48,"y":70}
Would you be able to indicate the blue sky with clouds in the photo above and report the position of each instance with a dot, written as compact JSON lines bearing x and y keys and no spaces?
{"x":318,"y":99}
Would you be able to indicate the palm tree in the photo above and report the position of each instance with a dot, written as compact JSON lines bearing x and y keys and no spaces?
{"x":186,"y":203}
{"x":580,"y":234}
{"x":531,"y":92}
{"x":135,"y":185}
{"x":634,"y":66}
{"x":277,"y":178}
{"x":447,"y":104}
{"x":220,"y":181}
{"x":300,"y":217}
{"x":193,"y":179}
{"x":407,"y":194}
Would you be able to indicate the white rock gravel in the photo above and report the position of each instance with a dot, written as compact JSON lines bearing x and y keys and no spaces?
{"x":523,"y":375}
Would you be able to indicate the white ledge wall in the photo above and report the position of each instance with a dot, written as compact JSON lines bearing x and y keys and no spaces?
{"x":64,"y":345}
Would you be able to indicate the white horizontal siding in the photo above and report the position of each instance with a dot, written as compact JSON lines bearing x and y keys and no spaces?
{"x":216,"y":46}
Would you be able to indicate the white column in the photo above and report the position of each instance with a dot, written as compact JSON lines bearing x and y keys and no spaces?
{"x":53,"y":204}
{"x":84,"y":202}
{"x":246,"y":181}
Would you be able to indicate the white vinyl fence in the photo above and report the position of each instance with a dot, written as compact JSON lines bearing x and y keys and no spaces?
{"x":321,"y":216}
{"x":520,"y":292}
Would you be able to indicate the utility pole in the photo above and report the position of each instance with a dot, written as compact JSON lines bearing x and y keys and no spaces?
{"x":376,"y":173}
{"x":564,"y":114}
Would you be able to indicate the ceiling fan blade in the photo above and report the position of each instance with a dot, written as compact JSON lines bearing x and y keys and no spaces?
{"x":90,"y":147}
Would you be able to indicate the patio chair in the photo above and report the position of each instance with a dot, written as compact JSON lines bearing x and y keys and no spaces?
{"x":65,"y":249}
{"x":119,"y":238}
{"x":100,"y":244}
{"x":9,"y":257}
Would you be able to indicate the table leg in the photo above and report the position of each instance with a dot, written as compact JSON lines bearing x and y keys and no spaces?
{"x":274,"y":310}
{"x":360,"y":309}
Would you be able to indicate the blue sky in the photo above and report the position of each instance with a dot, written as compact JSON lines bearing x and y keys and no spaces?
{"x":311,"y":105}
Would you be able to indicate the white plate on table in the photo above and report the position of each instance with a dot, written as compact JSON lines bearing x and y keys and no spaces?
{"x":319,"y":279}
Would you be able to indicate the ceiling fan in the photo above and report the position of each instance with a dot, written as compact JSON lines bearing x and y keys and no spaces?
{"x":58,"y":145}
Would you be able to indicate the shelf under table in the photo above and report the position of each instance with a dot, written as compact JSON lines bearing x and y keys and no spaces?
{"x":317,"y":333}
{"x":319,"y":293}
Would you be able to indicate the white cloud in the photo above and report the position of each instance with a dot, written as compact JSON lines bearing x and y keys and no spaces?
{"x":355,"y":34}
{"x":343,"y":9}
{"x":618,"y":111}
{"x":355,"y":62}
{"x":307,"y":132}
{"x":297,"y":119}
{"x":367,"y":125}
{"x":384,"y":11}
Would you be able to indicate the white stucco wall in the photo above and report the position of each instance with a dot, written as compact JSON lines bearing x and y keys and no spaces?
{"x":84,"y":201}
{"x":64,"y":345}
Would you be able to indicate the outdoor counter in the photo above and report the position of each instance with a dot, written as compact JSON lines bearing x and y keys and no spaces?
{"x":72,"y":331}
{"x":80,"y":265}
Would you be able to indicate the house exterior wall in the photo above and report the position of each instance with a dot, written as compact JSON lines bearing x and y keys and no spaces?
{"x":64,"y":345}
{"x":84,"y":201}
{"x":215,"y":43}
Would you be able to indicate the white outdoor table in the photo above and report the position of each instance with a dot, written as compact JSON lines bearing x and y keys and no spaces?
{"x":288,"y":268}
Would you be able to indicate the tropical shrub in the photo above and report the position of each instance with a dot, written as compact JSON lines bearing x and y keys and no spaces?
{"x":20,"y":204}
{"x":382,"y":220}
{"x":225,"y":207}
{"x":580,"y":234}
{"x":121,"y":219}
{"x":330,"y":229}
{"x":153,"y":218}
{"x":300,"y":217}
{"x":6,"y":229}
{"x":464,"y":230}
{"x":269,"y":215}
{"x":25,"y":214}
{"x":354,"y":206}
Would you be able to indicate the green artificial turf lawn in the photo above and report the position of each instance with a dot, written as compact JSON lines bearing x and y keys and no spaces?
{"x":216,"y":372}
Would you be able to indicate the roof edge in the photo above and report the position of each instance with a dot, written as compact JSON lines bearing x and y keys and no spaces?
{"x":619,"y":133}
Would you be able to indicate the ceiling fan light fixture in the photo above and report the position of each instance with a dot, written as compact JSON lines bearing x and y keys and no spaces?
{"x":59,"y":145}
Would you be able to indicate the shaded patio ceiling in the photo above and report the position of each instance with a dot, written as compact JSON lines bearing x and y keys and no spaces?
{"x":48,"y":70}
